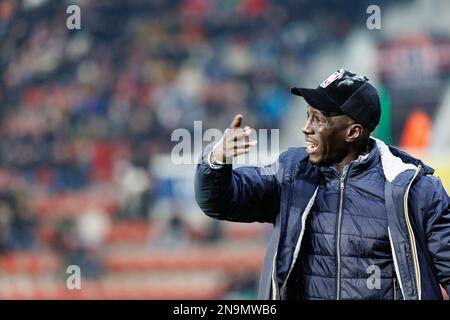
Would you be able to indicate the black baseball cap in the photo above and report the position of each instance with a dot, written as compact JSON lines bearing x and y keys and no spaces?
{"x":346,"y":93}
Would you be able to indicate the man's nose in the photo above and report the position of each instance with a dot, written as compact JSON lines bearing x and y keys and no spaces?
{"x":307,"y":128}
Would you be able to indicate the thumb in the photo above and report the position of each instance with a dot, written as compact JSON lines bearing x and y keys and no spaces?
{"x":236,"y":123}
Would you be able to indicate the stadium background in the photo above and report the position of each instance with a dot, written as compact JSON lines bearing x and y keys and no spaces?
{"x":86,"y":176}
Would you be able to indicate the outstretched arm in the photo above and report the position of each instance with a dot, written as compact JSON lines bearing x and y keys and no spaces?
{"x":245,"y":194}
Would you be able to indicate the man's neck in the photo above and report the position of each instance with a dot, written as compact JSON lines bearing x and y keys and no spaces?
{"x":351,"y":156}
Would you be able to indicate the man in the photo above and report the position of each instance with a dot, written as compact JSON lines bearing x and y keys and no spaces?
{"x":353,"y":217}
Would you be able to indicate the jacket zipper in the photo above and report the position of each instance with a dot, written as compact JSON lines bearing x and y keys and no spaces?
{"x":411,"y":236}
{"x":338,"y":240}
{"x":338,"y":233}
{"x":412,"y":239}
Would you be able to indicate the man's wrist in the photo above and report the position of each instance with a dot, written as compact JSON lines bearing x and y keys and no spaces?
{"x":214,"y":160}
{"x":211,"y":161}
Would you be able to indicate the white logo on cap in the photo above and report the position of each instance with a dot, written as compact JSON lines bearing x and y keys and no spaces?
{"x":337,"y":75}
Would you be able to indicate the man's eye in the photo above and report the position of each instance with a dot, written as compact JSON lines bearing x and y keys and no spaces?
{"x":313,"y":118}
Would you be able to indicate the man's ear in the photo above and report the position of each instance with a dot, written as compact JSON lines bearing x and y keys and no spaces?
{"x":354,"y":132}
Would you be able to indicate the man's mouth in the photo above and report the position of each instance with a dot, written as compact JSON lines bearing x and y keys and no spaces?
{"x":311,"y":147}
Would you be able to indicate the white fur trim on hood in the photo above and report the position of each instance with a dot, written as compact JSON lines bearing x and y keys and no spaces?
{"x":392,"y":165}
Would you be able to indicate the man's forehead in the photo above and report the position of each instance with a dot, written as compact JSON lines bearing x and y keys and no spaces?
{"x":325,"y":113}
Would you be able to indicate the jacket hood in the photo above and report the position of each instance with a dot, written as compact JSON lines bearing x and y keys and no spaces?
{"x":395,"y":161}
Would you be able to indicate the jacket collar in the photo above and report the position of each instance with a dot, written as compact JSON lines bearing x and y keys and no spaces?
{"x":362,"y":164}
{"x":393,"y":161}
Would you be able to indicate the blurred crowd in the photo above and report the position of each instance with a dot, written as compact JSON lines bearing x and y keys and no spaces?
{"x":84,"y":113}
{"x":85,"y":109}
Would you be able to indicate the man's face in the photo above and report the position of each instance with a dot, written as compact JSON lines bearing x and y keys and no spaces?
{"x":325,"y":136}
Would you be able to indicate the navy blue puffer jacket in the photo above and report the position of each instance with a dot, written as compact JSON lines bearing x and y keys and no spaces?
{"x":345,"y":241}
{"x":417,"y":215}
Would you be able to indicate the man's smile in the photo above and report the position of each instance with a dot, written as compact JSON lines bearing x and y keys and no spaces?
{"x":311,"y":146}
